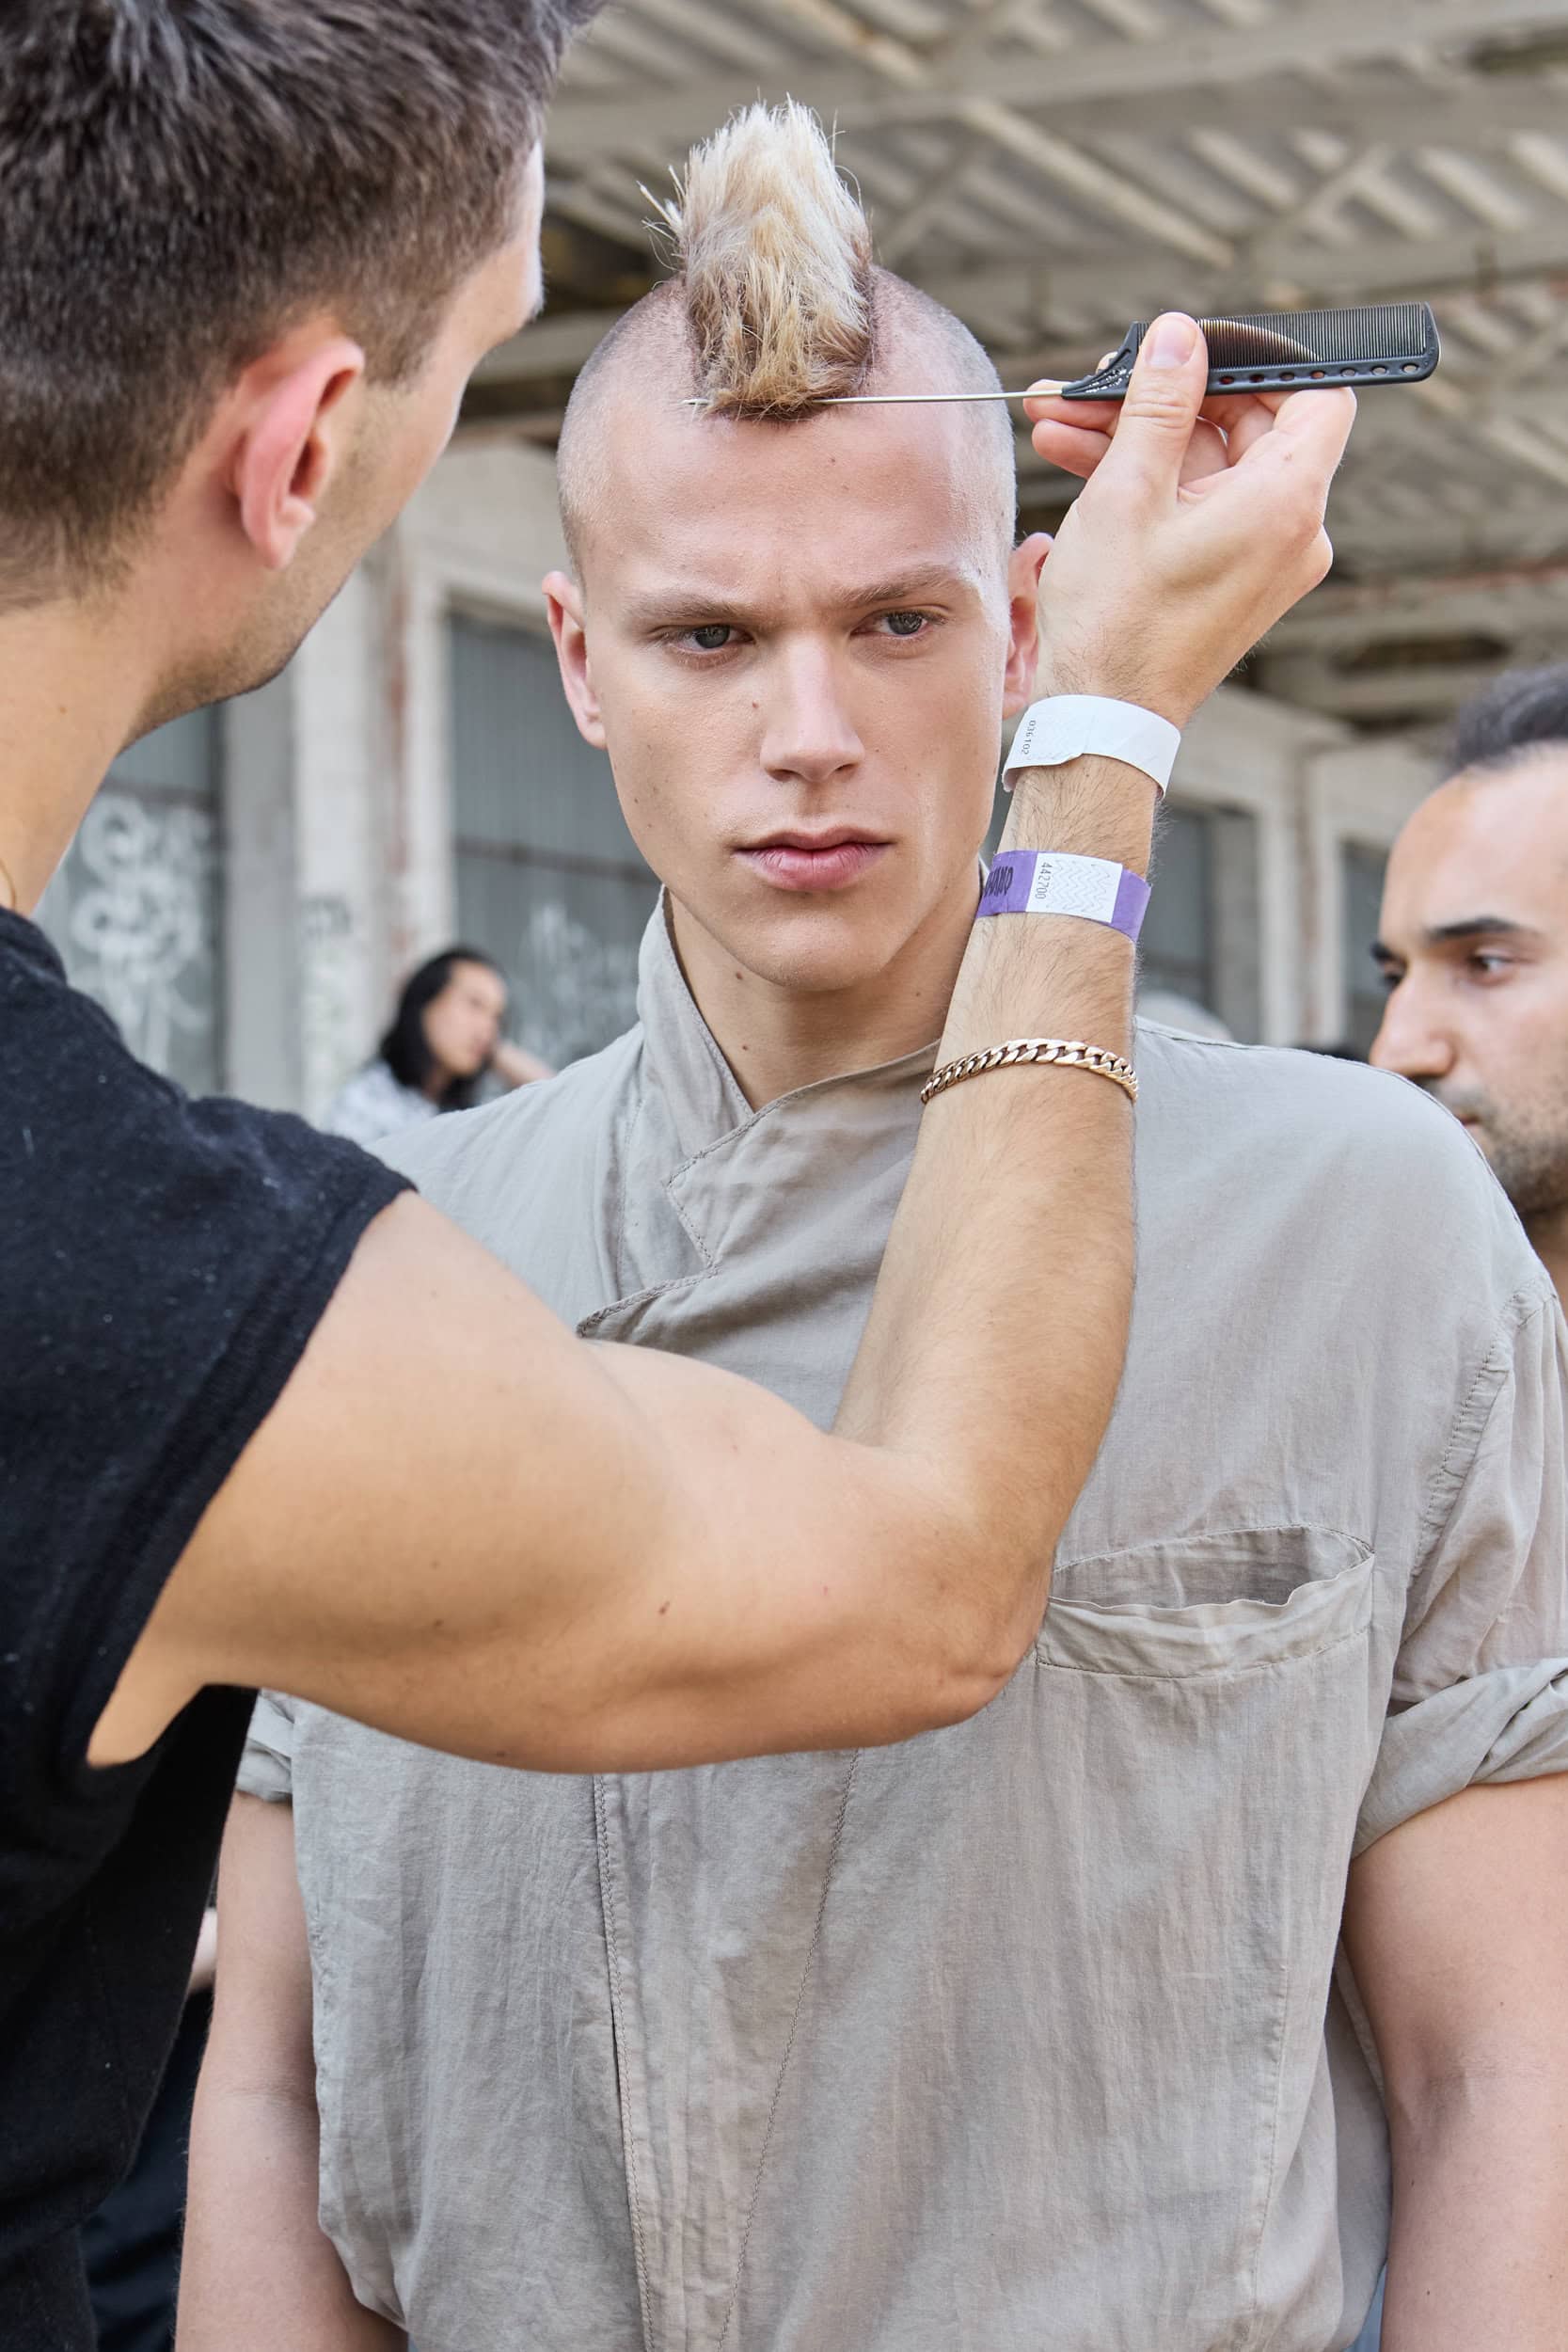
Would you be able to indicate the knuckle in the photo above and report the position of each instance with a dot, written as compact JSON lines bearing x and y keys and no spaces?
{"x":1317,"y":559}
{"x":1166,"y":410}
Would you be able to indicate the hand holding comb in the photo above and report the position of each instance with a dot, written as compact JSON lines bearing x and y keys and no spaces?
{"x":1261,"y":351}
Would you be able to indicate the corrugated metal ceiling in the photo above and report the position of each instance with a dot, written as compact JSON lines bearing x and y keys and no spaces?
{"x":1055,"y":168}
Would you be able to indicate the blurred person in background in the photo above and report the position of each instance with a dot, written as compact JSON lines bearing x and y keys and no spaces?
{"x":1474,"y":946}
{"x":444,"y":1042}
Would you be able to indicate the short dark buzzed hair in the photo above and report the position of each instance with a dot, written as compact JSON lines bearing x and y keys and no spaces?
{"x":180,"y":179}
{"x":1519,"y":713}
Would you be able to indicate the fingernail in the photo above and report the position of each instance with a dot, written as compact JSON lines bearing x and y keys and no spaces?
{"x":1171,"y":340}
{"x":1043,"y":388}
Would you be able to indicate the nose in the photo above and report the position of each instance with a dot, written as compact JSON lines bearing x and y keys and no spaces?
{"x":1411,"y":1040}
{"x":809,"y":734}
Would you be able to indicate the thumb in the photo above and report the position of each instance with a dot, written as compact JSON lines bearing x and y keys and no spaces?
{"x":1158,"y":415}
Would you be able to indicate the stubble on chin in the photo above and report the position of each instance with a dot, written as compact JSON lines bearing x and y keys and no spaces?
{"x":1528,"y":1155}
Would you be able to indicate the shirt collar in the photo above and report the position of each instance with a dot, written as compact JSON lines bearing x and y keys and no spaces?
{"x":684,"y":1066}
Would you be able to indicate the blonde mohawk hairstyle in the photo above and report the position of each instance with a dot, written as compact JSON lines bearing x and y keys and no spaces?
{"x":773,"y":255}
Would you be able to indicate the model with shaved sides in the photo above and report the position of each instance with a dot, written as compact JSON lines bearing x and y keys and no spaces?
{"x":265,"y":1417}
{"x":1027,"y":2031}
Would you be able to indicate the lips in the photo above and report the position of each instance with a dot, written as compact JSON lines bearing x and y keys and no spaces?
{"x":804,"y":861}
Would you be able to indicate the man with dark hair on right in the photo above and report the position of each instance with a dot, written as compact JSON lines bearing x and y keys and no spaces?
{"x":266,"y":1419}
{"x":1473,"y":944}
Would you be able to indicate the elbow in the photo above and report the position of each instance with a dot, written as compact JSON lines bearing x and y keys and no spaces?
{"x":1006,"y":1587}
{"x":998,"y":1652}
{"x":968,"y":1585}
{"x":964,"y":1694}
{"x":943,"y":1695}
{"x":967,"y":1659}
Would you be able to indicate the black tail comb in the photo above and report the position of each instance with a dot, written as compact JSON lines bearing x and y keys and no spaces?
{"x":1282,"y":351}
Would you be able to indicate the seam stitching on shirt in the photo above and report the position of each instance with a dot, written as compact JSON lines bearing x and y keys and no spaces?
{"x":1270,"y":2182}
{"x":617,"y":2004}
{"x":640,"y":1298}
{"x":1263,"y":1665}
{"x":707,"y":1255}
{"x":790,"y":2045}
{"x":1217,"y":1535}
{"x":619,"y":1218}
{"x":1522,"y":1309}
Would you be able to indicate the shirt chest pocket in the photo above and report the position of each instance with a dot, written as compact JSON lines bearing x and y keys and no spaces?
{"x":1208,"y":1716}
{"x":1242,"y":1602}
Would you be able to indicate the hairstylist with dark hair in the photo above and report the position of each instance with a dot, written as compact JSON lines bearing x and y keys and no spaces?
{"x":445,"y":1040}
{"x":266,"y":1418}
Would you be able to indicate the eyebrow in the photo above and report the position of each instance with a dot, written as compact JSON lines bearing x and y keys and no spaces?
{"x":1447,"y":934}
{"x":668,"y":604}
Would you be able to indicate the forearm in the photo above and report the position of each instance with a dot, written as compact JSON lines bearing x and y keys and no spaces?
{"x":1007,"y":1280}
{"x":1478,"y":2253}
{"x":258,"y":2272}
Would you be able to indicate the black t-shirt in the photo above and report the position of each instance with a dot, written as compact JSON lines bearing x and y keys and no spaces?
{"x":163,"y":1264}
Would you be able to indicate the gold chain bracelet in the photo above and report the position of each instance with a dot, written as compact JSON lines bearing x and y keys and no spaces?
{"x":1073,"y":1052}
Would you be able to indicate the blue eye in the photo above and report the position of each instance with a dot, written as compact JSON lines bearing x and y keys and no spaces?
{"x":905,"y":624}
{"x":712,"y":638}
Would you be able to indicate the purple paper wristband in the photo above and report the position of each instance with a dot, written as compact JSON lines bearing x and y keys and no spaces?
{"x":1044,"y":881}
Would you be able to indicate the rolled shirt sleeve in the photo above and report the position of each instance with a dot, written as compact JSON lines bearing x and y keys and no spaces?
{"x":267,"y":1767}
{"x":1480,"y":1685}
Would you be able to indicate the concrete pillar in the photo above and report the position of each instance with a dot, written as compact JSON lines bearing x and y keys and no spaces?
{"x":308,"y":778}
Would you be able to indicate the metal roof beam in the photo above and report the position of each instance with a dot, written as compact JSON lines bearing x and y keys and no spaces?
{"x":1118,"y":285}
{"x":1103,"y":187}
{"x":1504,"y":600}
{"x":1217,"y":57}
{"x":1317,"y":684}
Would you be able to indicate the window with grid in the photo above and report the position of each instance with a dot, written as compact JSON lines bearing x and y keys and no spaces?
{"x":1201,"y":937}
{"x":549,"y":882}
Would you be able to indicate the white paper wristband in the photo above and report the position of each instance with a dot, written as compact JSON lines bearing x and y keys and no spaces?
{"x":1070,"y":727}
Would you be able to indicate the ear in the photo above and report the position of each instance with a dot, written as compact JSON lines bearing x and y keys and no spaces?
{"x":564,"y":598}
{"x":1024,"y":626}
{"x":296,"y":428}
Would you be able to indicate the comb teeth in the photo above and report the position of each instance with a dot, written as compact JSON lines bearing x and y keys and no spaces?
{"x":1368,"y":332}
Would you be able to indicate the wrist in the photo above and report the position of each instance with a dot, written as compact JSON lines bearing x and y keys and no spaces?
{"x":1091,"y":807}
{"x":1119,"y":680}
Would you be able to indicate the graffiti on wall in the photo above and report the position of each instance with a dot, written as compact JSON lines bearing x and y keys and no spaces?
{"x":133,"y":909}
{"x":577,"y":990}
{"x":330,"y":1034}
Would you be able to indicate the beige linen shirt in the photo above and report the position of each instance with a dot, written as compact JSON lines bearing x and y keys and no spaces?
{"x":1031,"y":2035}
